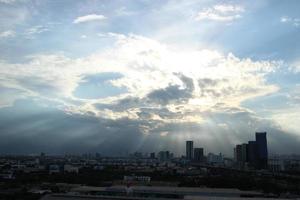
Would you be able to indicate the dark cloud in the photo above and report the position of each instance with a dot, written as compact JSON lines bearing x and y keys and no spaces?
{"x":173,"y":93}
{"x":187,"y":81}
{"x":122,"y":104}
{"x":209,"y":87}
{"x":205,"y":82}
{"x":170,"y":94}
{"x":29,"y":128}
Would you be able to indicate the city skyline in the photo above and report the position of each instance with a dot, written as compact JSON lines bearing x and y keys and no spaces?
{"x":195,"y":153}
{"x":127,"y":76}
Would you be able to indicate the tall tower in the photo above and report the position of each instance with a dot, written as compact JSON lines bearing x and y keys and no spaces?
{"x":189,"y":150}
{"x":198,"y":154}
{"x":238,"y":153}
{"x":262,"y":149}
{"x":252,"y":154}
{"x":244,"y":153}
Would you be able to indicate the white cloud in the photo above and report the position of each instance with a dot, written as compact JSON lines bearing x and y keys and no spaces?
{"x":289,"y":20}
{"x":295,"y":66}
{"x":146,"y":65}
{"x":117,"y":36}
{"x":221,"y":12}
{"x":7,"y":34}
{"x":88,"y":18}
{"x":285,"y":19}
{"x":12,"y":1}
{"x":288,"y":119}
{"x":30,"y":32}
{"x":123,"y":11}
{"x":8,"y":1}
{"x":222,"y":8}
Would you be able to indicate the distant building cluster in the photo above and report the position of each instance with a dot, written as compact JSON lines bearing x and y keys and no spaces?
{"x":254,"y":154}
{"x":247,"y":156}
{"x":196,"y":155}
{"x":155,"y":169}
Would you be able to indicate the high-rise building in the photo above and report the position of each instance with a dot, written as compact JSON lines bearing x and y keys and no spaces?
{"x":255,"y":153}
{"x":244,"y":153}
{"x":152,"y":155}
{"x":163,"y":156}
{"x":234,"y":154}
{"x":238,"y":153}
{"x":262,"y":149}
{"x":252,"y":154}
{"x":198,"y":155}
{"x":189,"y":150}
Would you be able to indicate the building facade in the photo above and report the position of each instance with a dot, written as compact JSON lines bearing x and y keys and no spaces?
{"x":189,"y":150}
{"x":262,"y":150}
{"x":198,"y":155}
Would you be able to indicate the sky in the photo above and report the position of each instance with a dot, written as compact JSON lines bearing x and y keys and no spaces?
{"x":121,"y":76}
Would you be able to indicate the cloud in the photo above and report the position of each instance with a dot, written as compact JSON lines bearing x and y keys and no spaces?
{"x":47,"y":129}
{"x":12,"y":15}
{"x":7,"y":34}
{"x":295,"y":66}
{"x":113,"y":35}
{"x":287,"y":118}
{"x":98,"y":86}
{"x":169,"y":94}
{"x":289,"y":20}
{"x":221,"y":13}
{"x":189,"y":94}
{"x":36,"y":30}
{"x":152,"y":87}
{"x":150,"y":69}
{"x":123,"y":11}
{"x":40,"y":127}
{"x":286,"y":115}
{"x":8,"y":1}
{"x":285,"y":19}
{"x":31,"y":32}
{"x":174,"y":92}
{"x":12,"y":1}
{"x":89,"y":18}
{"x":9,"y":95}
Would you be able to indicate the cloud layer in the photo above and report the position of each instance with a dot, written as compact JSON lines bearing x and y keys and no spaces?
{"x":166,"y":92}
{"x":149,"y":69}
{"x":147,"y":75}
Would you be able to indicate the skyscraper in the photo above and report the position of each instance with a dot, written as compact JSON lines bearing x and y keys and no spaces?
{"x":198,"y":154}
{"x":262,"y":149}
{"x":238,"y":153}
{"x":244,"y":153}
{"x":152,"y":155}
{"x":252,"y":154}
{"x":163,"y":156}
{"x":189,"y":150}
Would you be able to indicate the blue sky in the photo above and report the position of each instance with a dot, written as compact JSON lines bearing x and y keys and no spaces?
{"x":148,"y":74}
